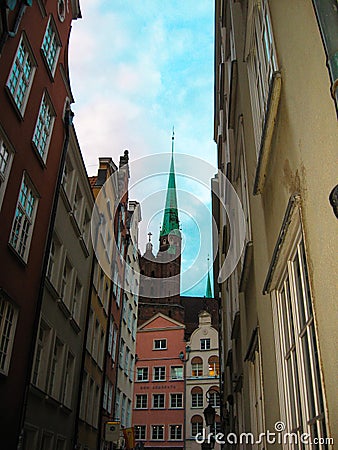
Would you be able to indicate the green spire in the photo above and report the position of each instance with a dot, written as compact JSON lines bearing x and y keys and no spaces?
{"x":170,"y":218}
{"x":208,"y":292}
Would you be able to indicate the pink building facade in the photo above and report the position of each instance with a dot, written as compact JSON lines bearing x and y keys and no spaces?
{"x":158,"y":413}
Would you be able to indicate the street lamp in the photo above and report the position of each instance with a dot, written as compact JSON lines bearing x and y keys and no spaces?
{"x":187,"y":350}
{"x":209,"y":415}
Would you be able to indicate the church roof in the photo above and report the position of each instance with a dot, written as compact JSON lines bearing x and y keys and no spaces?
{"x":208,"y":292}
{"x":170,"y":218}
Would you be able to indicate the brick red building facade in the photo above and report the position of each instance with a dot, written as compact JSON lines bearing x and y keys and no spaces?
{"x":34,"y":96}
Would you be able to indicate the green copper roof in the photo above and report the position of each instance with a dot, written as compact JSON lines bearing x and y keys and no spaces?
{"x":170,"y":218}
{"x":208,"y":292}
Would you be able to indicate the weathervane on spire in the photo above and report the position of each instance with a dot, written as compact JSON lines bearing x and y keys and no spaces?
{"x":150,"y":234}
{"x":172,"y":140}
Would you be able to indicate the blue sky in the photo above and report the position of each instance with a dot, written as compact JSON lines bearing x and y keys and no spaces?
{"x":138,"y":68}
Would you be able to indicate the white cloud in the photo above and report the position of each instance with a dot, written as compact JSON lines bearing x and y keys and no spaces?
{"x":137,"y":69}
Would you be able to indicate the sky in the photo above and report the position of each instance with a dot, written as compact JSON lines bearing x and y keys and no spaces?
{"x":137,"y":69}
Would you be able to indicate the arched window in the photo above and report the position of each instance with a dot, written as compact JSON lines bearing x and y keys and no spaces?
{"x":196,"y":425}
{"x":213,"y":396}
{"x":196,"y":397}
{"x":196,"y":367}
{"x":213,"y":362}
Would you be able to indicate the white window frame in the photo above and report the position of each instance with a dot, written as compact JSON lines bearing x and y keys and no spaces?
{"x":262,"y":62}
{"x":25,"y":218}
{"x":160,"y":344}
{"x":158,"y":401}
{"x":157,"y":430}
{"x":141,"y":370}
{"x":177,"y":431}
{"x":300,"y":386}
{"x":197,"y":398}
{"x":159,"y":373}
{"x":54,"y":44}
{"x":141,"y":401}
{"x":176,"y":398}
{"x":19,"y":68}
{"x":8,"y":322}
{"x":140,"y":432}
{"x":44,"y":127}
{"x":205,"y":344}
{"x":173,"y":376}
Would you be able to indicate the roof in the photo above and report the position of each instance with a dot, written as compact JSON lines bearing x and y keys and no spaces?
{"x":193,"y":306}
{"x":170,"y":218}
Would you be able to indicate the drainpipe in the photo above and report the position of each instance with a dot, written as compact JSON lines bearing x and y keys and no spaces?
{"x":327,"y":17}
{"x":68,"y":118}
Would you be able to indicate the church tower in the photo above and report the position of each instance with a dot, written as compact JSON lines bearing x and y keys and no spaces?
{"x":161,"y":274}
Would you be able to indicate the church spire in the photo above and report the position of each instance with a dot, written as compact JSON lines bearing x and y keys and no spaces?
{"x":208,"y":292}
{"x":170,"y":218}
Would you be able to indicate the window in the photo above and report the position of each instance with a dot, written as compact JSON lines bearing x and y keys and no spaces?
{"x":142,"y":374}
{"x":176,"y":400}
{"x":196,"y":367}
{"x":160,"y":344}
{"x":140,"y":432}
{"x":66,"y":279}
{"x":23,"y":222}
{"x":134,"y":327}
{"x":123,"y":410}
{"x":51,"y":260}
{"x":67,"y":177}
{"x":158,"y":401}
{"x":176,"y":372}
{"x":299,"y":380}
{"x":113,"y":354}
{"x":21,"y":75}
{"x":196,"y":425}
{"x":214,"y":398}
{"x":121,"y":355}
{"x":55,"y":373}
{"x":157,"y":432}
{"x":205,"y":344}
{"x":159,"y":374}
{"x":256,"y":392}
{"x":105,"y":394}
{"x":126,"y":362}
{"x":51,"y":46}
{"x":196,"y":397}
{"x":68,"y":380}
{"x":110,"y":397}
{"x":44,"y":126}
{"x":75,"y":306}
{"x":117,"y":404}
{"x":6,"y":158}
{"x":110,"y":335}
{"x":141,"y":401}
{"x":84,"y":396}
{"x":77,"y":205}
{"x":175,"y":432}
{"x":41,"y":356}
{"x":131,"y":371}
{"x":128,"y":414}
{"x":8,"y":319}
{"x":213,"y":363}
{"x":262,"y":63}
